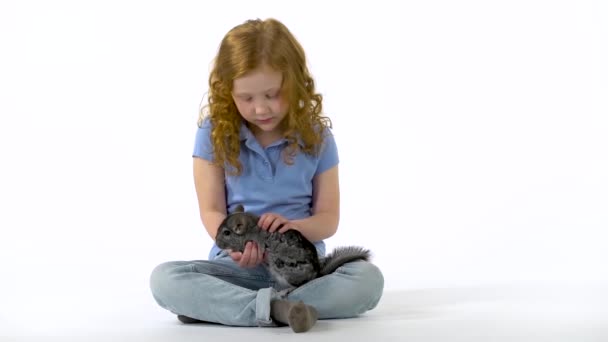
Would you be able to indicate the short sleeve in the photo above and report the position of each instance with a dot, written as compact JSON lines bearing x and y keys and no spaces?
{"x":328,"y":156}
{"x":203,"y":148}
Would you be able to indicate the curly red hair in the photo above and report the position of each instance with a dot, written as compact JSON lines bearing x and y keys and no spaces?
{"x":243,"y":49}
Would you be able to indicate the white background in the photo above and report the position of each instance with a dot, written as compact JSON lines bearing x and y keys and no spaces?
{"x":472,"y":136}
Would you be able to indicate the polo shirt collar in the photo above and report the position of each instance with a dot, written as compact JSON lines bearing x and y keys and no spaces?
{"x":246,"y":134}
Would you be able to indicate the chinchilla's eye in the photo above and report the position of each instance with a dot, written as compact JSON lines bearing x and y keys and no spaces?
{"x":226,"y":232}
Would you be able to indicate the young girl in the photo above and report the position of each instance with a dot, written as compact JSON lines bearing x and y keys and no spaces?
{"x":263,"y":143}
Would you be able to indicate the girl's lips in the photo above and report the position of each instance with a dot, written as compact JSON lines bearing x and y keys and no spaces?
{"x":265,"y":121}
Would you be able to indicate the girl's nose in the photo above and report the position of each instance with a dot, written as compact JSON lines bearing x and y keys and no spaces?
{"x":261,"y":108}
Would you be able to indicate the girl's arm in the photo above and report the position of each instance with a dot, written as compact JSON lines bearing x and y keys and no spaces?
{"x":325,"y":210}
{"x":209,"y":184}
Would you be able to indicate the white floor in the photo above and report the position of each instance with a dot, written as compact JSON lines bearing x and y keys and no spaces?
{"x":489,"y":313}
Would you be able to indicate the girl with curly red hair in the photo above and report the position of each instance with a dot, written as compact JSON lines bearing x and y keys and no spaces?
{"x":262,"y":142}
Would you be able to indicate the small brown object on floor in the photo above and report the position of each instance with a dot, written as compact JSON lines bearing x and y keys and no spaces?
{"x":299,"y":316}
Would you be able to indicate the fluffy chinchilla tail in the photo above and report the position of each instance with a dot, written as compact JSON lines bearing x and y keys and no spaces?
{"x":342,"y":255}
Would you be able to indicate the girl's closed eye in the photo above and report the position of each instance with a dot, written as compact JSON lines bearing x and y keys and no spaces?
{"x":269,"y":97}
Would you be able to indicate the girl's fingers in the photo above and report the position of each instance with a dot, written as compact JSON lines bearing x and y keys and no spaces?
{"x":271,"y":222}
{"x":285,"y":228}
{"x":265,"y":221}
{"x":270,"y":226}
{"x":268,"y":222}
{"x":236,"y":256}
{"x":260,"y":255}
{"x":276,"y":224}
{"x":245,"y":259}
{"x":253,"y":261}
{"x":256,"y":255}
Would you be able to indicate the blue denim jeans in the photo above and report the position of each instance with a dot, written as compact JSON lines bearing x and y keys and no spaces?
{"x":220,"y":291}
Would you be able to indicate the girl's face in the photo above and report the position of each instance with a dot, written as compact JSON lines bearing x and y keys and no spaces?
{"x":258,"y":98}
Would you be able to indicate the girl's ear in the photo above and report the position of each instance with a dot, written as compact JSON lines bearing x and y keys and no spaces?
{"x":239,"y":209}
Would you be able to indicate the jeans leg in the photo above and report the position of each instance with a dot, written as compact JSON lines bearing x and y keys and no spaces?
{"x":215,"y":291}
{"x":352,"y":289}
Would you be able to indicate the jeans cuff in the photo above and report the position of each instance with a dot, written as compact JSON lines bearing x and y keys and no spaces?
{"x":262,"y":307}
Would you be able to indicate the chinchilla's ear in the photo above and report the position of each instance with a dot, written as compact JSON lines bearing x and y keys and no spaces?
{"x":240,"y":228}
{"x":239,"y":209}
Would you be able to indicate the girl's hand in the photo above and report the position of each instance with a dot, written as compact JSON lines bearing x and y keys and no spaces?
{"x":251,"y":257}
{"x":273,"y":222}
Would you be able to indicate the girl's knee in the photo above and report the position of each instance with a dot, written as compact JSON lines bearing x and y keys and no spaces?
{"x":376,"y":283}
{"x":361,"y":287}
{"x":365,"y":272}
{"x":369,"y":279}
{"x":160,"y":278}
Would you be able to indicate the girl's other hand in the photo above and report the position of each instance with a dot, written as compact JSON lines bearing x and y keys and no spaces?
{"x":251,"y":257}
{"x":272,"y":222}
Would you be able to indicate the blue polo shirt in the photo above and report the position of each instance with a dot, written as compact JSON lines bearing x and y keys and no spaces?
{"x":267,"y":184}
